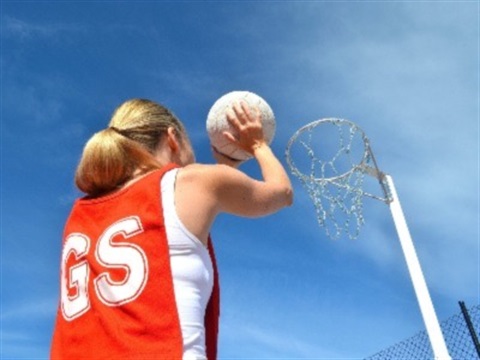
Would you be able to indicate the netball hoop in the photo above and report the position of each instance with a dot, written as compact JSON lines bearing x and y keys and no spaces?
{"x":333,"y":160}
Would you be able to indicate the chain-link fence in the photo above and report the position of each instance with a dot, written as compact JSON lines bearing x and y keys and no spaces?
{"x":459,"y":339}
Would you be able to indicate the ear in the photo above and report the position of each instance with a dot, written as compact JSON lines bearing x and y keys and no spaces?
{"x":172,"y":139}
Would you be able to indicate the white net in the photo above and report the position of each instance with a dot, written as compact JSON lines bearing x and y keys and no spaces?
{"x":331,"y":157}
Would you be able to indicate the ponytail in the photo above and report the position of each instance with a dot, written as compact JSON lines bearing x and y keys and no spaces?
{"x":109,"y":160}
{"x":125,"y":149}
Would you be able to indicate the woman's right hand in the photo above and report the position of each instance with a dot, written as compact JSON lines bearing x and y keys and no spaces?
{"x":248,"y":126}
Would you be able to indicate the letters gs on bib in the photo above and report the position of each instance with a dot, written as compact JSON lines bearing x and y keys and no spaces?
{"x":124,"y":255}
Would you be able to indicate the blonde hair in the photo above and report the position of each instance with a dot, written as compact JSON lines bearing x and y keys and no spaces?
{"x":113,"y":156}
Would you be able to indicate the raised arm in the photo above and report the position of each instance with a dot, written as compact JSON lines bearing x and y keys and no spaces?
{"x":235,"y":192}
{"x":204,"y":191}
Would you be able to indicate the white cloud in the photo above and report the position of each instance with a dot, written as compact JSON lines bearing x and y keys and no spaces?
{"x":414,"y":91}
{"x":28,"y":309}
{"x":275,"y":343}
{"x":25,"y":30}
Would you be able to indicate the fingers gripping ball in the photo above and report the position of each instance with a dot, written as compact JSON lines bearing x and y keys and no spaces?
{"x":217,"y":122}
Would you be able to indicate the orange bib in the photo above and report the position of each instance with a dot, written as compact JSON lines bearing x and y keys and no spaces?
{"x":117,"y":298}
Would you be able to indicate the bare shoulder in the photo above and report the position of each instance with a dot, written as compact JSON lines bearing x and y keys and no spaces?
{"x":206,"y":173}
{"x":217,"y":181}
{"x":221,"y":188}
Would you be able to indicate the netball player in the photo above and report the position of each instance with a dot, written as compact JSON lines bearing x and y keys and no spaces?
{"x":138,"y":272}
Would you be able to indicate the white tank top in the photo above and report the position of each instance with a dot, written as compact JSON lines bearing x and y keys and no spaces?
{"x":192,"y":273}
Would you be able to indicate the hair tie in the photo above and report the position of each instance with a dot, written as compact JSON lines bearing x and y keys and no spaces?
{"x":117,"y":130}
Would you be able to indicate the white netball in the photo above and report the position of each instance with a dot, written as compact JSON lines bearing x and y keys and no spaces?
{"x":217,"y":122}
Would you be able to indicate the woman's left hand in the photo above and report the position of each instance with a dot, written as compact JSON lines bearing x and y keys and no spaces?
{"x":225,"y":160}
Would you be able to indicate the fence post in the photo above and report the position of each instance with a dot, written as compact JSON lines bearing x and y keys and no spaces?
{"x":473,"y":334}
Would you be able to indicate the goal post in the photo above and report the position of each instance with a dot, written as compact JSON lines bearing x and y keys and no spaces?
{"x":331,"y":157}
{"x":430,"y":319}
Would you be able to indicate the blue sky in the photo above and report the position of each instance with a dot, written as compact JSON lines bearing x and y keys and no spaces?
{"x":407,"y":72}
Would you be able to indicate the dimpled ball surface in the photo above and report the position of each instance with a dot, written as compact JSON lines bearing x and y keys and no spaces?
{"x":217,"y":122}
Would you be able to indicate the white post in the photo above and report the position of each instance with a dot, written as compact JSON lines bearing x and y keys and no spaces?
{"x":423,"y":296}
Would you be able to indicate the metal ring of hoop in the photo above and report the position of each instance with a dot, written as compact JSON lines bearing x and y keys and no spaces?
{"x":336,"y":122}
